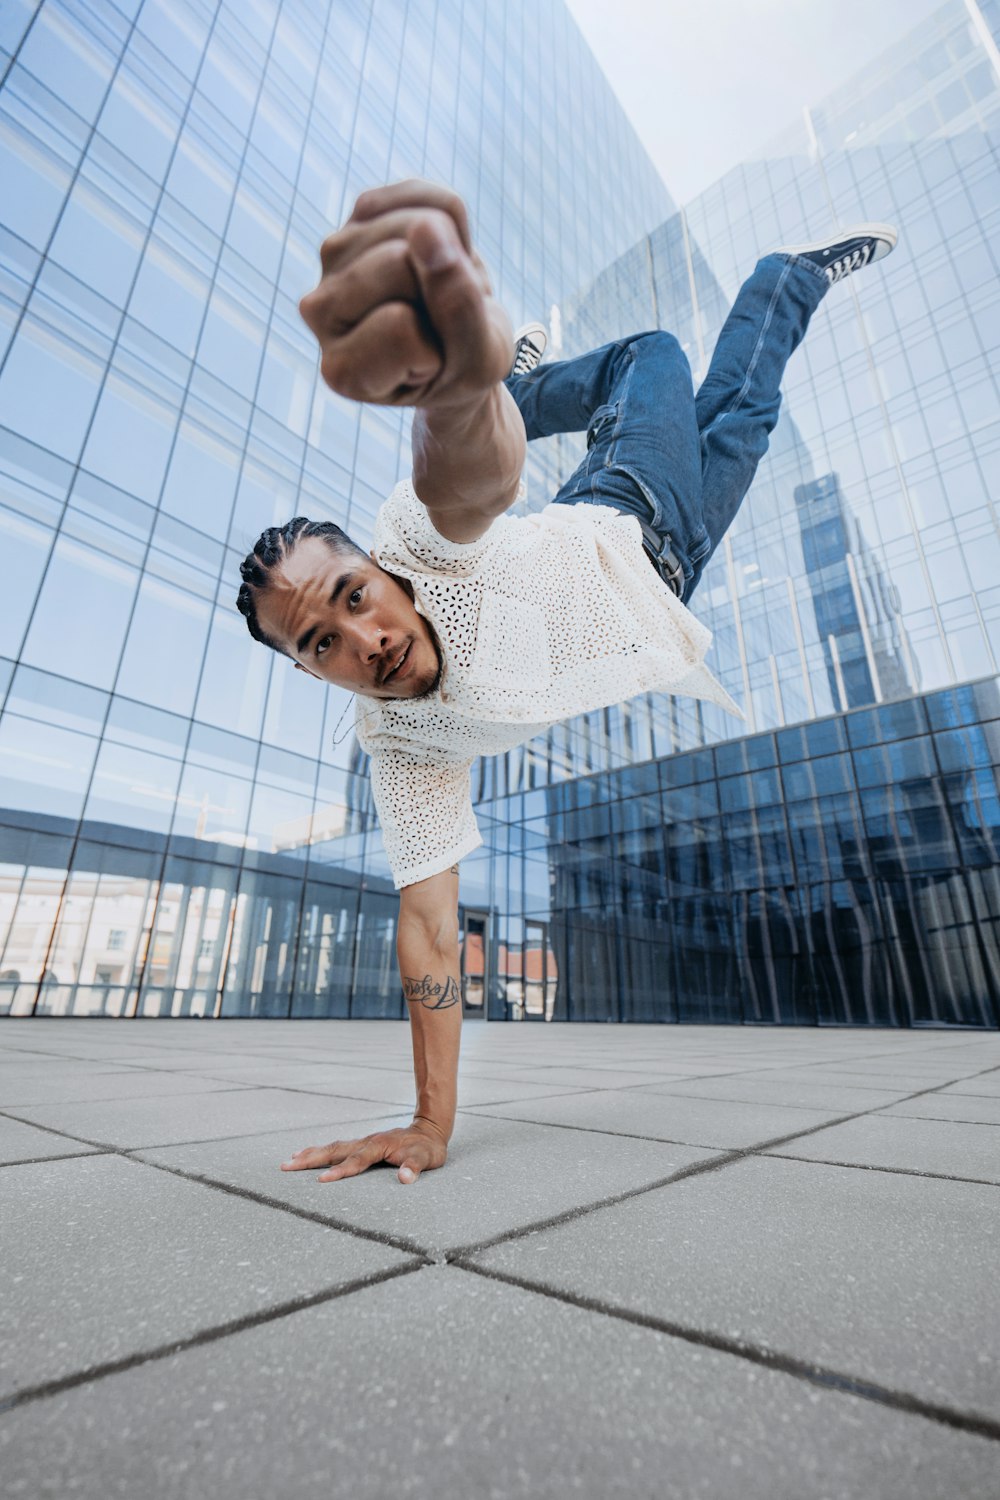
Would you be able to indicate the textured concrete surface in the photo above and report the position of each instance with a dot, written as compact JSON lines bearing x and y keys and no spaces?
{"x":617,"y":1286}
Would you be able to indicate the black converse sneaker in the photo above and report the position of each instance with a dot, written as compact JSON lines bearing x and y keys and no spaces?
{"x":846,"y":250}
{"x":529,"y":346}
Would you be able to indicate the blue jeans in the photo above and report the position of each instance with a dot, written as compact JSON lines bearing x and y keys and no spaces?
{"x":679,"y":462}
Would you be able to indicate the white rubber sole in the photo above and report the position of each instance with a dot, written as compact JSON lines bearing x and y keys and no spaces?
{"x":886,"y":236}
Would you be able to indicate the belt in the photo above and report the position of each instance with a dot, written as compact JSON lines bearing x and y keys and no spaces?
{"x":663,"y":557}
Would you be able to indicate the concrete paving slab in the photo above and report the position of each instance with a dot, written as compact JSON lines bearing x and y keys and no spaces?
{"x":19,"y":1142}
{"x":91,"y":1084}
{"x":443,"y":1384}
{"x":930,"y":1070}
{"x":718,"y":1124}
{"x":597,"y":1078}
{"x":968,"y":1109}
{"x":803,"y":1092}
{"x":982,"y":1085}
{"x":104,"y":1257}
{"x":129,"y":1123}
{"x":499,"y":1176}
{"x":876,"y":1275}
{"x":381,"y":1085}
{"x":893,"y":1083}
{"x":970,"y":1151}
{"x":124,"y":1056}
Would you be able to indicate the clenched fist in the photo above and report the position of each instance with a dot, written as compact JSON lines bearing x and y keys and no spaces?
{"x":404,"y":311}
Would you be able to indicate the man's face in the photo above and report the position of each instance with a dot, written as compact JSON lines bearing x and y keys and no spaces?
{"x":347,"y":621}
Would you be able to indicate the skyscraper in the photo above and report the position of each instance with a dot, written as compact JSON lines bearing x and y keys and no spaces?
{"x":179,"y":834}
{"x":840,"y":863}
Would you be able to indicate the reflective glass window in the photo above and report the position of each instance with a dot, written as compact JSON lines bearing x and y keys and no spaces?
{"x":139,"y":125}
{"x":201,"y":479}
{"x":42,"y":768}
{"x":130,"y":438}
{"x":165,"y":643}
{"x":212,"y":805}
{"x":30,"y":544}
{"x":66,"y":59}
{"x":170,"y":296}
{"x":48,"y":388}
{"x":234,"y":677}
{"x":97,"y":242}
{"x":231,"y":343}
{"x":133,"y":787}
{"x":35,"y":184}
{"x":79,"y":623}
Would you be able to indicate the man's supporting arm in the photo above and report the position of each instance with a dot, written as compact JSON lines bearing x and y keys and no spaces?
{"x":427,"y":950}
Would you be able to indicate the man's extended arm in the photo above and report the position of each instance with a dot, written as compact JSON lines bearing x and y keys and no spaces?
{"x":467,"y":462}
{"x":405,"y":316}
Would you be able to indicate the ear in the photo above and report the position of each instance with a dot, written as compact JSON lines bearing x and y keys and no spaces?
{"x":300,"y":668}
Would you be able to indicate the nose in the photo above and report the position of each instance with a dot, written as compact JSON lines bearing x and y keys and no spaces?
{"x":372,"y":644}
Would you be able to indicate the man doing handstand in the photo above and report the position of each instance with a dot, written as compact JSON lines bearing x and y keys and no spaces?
{"x":466,"y":630}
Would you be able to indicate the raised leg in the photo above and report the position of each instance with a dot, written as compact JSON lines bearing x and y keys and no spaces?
{"x":738,"y":402}
{"x":634,"y":399}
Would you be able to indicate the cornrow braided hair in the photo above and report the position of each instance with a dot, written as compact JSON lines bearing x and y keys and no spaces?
{"x":272,"y":547}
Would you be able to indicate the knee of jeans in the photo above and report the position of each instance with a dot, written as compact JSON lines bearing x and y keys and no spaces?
{"x":599,"y":421}
{"x":667,"y":343}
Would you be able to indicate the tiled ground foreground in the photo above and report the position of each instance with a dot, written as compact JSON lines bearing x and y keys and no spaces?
{"x":661,"y":1261}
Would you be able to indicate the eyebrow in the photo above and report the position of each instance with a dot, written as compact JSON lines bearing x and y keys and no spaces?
{"x":338,"y":588}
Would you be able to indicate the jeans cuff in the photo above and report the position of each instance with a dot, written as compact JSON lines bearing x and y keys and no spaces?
{"x":808,"y":265}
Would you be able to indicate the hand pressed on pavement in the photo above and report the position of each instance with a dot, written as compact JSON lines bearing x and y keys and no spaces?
{"x":413,"y":1149}
{"x":404,"y":312}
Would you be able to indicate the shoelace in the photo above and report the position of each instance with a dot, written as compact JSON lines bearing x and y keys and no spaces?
{"x":849,"y":263}
{"x":525,"y":359}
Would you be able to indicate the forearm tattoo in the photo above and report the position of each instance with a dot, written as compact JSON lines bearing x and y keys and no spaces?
{"x":430,"y":993}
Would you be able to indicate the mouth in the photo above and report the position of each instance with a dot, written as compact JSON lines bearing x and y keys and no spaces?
{"x":399,"y":666}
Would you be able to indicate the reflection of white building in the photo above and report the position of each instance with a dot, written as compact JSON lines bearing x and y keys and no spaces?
{"x":328,"y":822}
{"x":856,"y":605}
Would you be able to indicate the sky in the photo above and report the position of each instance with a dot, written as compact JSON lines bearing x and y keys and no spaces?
{"x":707,"y":82}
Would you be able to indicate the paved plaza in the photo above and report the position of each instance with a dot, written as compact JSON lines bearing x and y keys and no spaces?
{"x":661,"y":1262}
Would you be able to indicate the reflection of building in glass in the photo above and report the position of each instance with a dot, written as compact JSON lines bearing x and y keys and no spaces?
{"x":862,"y":570}
{"x":856,"y":606}
{"x":843,"y":871}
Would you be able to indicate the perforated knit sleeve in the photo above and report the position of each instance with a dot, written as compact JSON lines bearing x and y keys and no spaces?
{"x":406,"y":540}
{"x":425,"y":812}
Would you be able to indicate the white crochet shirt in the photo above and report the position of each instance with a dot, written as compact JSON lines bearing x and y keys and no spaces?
{"x":542,"y":617}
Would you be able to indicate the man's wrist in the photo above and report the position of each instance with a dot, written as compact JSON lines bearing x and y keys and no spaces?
{"x":429,"y":1123}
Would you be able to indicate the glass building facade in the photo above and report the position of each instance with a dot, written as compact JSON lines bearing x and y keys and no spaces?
{"x":178,"y":832}
{"x":844,"y":870}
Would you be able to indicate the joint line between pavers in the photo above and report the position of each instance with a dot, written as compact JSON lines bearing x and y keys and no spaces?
{"x":726,"y":1159}
{"x":786,"y":1364}
{"x":39,"y":1161}
{"x":863,"y":1166}
{"x":133,"y":1155}
{"x":205,"y":1336}
{"x":208,"y":1140}
{"x":375,"y":1236}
